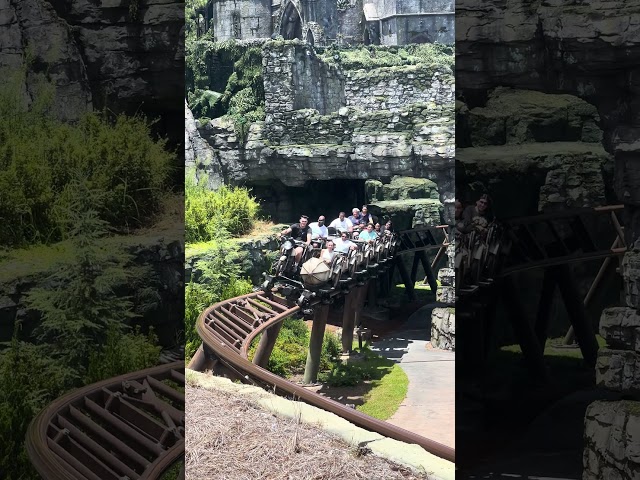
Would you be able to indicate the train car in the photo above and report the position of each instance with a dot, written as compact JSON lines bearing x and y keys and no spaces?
{"x":313,"y":276}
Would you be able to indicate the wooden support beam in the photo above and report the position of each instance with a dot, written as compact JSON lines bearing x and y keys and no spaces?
{"x":315,"y":344}
{"x":371,"y":292}
{"x":358,"y":304}
{"x":406,"y":279}
{"x":201,"y":360}
{"x":430,"y":277}
{"x":392,"y":271}
{"x":531,"y":351}
{"x":265,"y":347}
{"x":414,"y":268}
{"x":348,"y":320}
{"x":544,"y":307}
{"x":577,"y":314}
{"x":441,"y":251}
{"x":570,"y":335}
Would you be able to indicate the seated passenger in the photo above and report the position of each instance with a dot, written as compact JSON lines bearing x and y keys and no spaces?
{"x":299,"y":231}
{"x":476,"y":217}
{"x":318,"y":229}
{"x":368,"y":235}
{"x":377,"y":228}
{"x":356,"y":219}
{"x":368,"y":217}
{"x":343,"y":244}
{"x":388,"y":227}
{"x":342,"y":224}
{"x":328,"y":253}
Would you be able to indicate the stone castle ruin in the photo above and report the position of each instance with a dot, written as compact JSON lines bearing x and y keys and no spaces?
{"x":330,"y":22}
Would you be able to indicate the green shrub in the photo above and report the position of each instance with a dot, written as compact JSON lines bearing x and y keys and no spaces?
{"x":220,"y":280}
{"x":121,"y":353}
{"x":290,"y":351}
{"x":40,"y":156}
{"x":208,"y":213}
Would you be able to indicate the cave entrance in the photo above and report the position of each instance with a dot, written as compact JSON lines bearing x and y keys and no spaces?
{"x":291,"y":26}
{"x":285,"y":204}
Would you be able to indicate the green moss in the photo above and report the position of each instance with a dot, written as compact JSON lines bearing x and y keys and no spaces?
{"x":368,"y":57}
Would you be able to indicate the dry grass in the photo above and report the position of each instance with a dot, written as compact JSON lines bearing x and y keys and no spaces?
{"x":229,"y":438}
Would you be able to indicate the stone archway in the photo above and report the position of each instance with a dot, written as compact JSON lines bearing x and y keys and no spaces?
{"x":421,"y":38}
{"x":310,"y":39}
{"x":291,"y":24}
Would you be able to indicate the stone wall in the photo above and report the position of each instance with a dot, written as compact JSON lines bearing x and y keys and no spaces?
{"x":612,"y":429}
{"x":394,"y":88}
{"x":402,"y":30}
{"x":295,"y":78}
{"x":542,"y":149}
{"x":612,"y":441}
{"x":245,"y":19}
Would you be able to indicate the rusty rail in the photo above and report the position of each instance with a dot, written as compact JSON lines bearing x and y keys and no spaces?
{"x":131,"y":426}
{"x":231,"y":349}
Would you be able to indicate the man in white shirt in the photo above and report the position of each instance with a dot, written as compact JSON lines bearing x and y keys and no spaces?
{"x":343,"y":244}
{"x":318,"y":229}
{"x":342,"y":224}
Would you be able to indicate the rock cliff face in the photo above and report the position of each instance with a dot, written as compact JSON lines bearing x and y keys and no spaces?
{"x":127,"y":55}
{"x":587,"y":49}
{"x":543,"y":151}
{"x":331,"y":130}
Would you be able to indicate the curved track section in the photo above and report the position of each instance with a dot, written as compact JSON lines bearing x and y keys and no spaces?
{"x":131,"y":426}
{"x":227,"y":329}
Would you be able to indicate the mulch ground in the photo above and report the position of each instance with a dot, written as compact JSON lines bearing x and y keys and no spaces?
{"x":230,"y":438}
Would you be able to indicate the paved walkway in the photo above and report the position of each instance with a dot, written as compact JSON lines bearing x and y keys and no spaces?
{"x":429,"y":407}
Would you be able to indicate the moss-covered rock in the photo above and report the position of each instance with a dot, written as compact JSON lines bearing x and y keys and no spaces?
{"x":409,"y":213}
{"x":521,"y":116}
{"x":404,"y":188}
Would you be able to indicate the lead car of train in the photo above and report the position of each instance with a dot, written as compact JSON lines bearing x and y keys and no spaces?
{"x":315,"y":278}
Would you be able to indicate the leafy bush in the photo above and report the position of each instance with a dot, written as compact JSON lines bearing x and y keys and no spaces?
{"x":122,"y":353}
{"x":220,"y":280}
{"x":208,"y":213}
{"x":289,"y":353}
{"x":39,"y":158}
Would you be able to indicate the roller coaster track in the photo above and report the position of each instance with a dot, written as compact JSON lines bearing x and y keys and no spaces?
{"x":228,"y":328}
{"x":132,"y":426}
{"x":543,"y":241}
{"x":127,"y":427}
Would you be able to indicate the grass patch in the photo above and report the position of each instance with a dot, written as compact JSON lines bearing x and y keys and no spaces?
{"x":398,"y":294}
{"x":387,"y":381}
{"x":555,"y":348}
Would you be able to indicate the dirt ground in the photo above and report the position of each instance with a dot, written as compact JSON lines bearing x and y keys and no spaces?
{"x":230,"y":438}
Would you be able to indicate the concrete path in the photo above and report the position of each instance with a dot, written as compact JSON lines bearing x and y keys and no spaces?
{"x":429,"y":407}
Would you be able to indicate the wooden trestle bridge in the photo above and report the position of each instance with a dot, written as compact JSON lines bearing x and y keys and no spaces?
{"x":486,"y":264}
